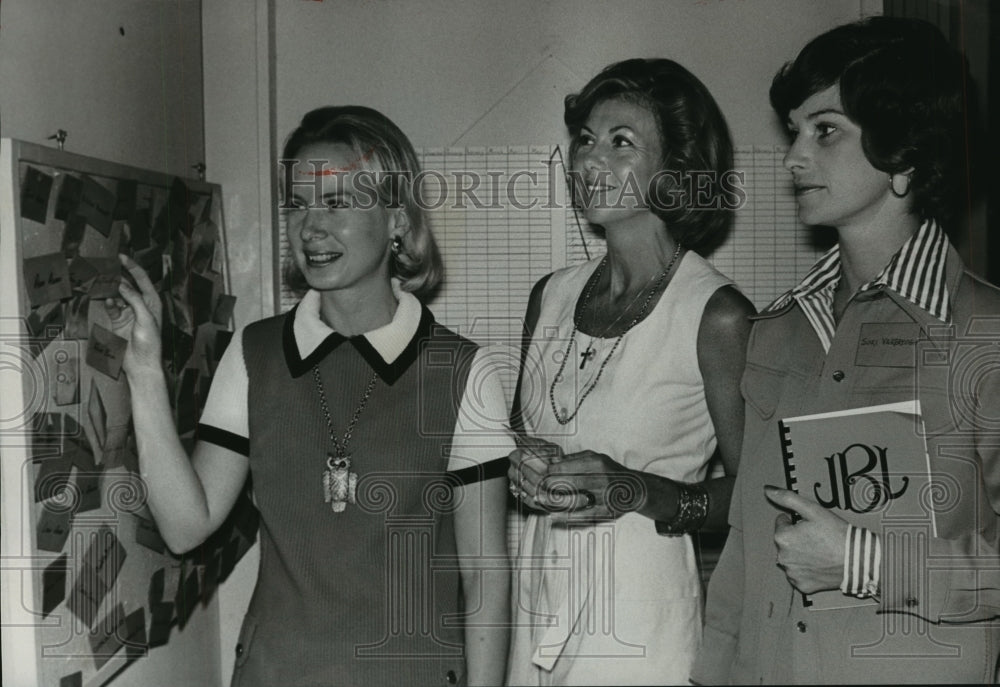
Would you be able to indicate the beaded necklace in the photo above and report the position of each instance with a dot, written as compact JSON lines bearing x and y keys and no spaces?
{"x":572,"y":338}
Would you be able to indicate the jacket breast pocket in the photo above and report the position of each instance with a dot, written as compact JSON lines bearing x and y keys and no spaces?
{"x":762,"y":387}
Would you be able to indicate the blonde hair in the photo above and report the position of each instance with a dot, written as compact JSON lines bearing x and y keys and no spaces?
{"x":377,"y":140}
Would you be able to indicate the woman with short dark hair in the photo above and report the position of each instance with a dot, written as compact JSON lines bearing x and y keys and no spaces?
{"x":878,"y":116}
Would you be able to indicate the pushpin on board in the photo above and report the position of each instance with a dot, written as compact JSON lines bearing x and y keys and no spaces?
{"x":60,"y":137}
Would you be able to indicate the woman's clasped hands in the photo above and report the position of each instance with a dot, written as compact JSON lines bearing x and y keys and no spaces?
{"x":576,"y":488}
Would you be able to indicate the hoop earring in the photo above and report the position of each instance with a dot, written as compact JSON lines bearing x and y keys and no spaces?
{"x":892,"y":185}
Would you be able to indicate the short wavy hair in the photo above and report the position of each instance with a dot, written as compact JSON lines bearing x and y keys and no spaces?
{"x":382,"y":147}
{"x":694,"y":137}
{"x":909,"y":91}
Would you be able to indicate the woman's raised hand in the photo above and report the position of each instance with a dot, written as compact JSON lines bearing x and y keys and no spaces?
{"x":137,"y":316}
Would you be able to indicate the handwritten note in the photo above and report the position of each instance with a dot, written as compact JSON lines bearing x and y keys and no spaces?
{"x":46,"y":279}
{"x":109,"y":276}
{"x":116,"y":446}
{"x":52,"y":530}
{"x":96,"y":205}
{"x":105,"y":351}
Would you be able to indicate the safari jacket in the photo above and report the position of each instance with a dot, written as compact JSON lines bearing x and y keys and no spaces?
{"x":940,"y":595}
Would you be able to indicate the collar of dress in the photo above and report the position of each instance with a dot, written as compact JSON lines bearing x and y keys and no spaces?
{"x":389,"y":350}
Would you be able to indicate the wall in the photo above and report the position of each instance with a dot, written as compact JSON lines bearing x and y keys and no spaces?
{"x":486,"y":73}
{"x":124,"y":79}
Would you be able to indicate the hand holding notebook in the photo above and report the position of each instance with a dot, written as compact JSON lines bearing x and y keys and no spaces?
{"x":810,"y":546}
{"x":866,"y":466}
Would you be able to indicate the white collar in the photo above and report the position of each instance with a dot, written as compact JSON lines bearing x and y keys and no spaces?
{"x":389,"y":340}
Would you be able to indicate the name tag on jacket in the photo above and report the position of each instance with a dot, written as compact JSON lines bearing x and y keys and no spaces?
{"x":882,"y":344}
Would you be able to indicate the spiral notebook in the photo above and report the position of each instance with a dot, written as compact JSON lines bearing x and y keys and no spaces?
{"x":868,"y":464}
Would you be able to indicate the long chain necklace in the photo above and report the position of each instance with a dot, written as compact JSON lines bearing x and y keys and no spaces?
{"x":572,"y":337}
{"x":340,"y":485}
{"x":587,"y":355}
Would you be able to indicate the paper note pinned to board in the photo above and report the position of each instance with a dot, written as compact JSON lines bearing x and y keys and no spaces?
{"x":106,"y":351}
{"x":96,"y":205}
{"x":35,"y":191}
{"x":46,"y":279}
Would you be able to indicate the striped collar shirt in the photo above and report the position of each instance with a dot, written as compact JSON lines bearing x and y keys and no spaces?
{"x":916,"y":272}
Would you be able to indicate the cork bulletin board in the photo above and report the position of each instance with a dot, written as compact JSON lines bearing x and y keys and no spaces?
{"x":90,"y":587}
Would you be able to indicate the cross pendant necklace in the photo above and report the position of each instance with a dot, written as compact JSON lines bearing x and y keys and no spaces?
{"x":590,"y":352}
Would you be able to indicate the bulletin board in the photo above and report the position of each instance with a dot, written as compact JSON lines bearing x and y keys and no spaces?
{"x":89,"y":586}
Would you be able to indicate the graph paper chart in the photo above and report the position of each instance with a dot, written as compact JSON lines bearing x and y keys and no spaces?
{"x":502,"y":221}
{"x":769,"y":250}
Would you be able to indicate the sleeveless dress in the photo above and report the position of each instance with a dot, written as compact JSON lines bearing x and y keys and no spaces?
{"x":615,"y":603}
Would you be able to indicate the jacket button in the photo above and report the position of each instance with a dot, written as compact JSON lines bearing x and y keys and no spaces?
{"x":801,"y":626}
{"x":838,"y":376}
{"x":450,"y":677}
{"x":239,"y":650}
{"x":912,"y":601}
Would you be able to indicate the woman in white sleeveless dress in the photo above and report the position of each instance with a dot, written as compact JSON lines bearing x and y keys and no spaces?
{"x":629,"y":386}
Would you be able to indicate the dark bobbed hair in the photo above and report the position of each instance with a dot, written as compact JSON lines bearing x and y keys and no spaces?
{"x":380,"y":146}
{"x":912,"y":96}
{"x":694,"y":137}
